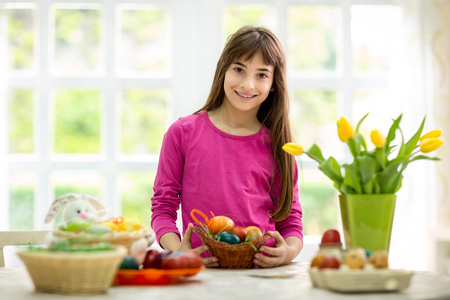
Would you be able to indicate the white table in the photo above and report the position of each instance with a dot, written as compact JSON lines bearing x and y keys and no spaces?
{"x":218,"y":284}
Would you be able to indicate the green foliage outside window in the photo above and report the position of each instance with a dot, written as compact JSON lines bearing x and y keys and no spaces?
{"x":312,"y":38}
{"x":136,"y":192}
{"x":21,"y":121}
{"x":319,"y":202}
{"x":236,"y":17}
{"x":77,"y":121}
{"x":144,"y":119}
{"x":21,"y":208}
{"x":21,"y":38}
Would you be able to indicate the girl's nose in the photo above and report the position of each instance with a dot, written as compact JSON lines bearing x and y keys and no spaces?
{"x":247,"y":83}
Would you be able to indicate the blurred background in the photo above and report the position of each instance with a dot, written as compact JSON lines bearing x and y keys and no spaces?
{"x":88,"y":89}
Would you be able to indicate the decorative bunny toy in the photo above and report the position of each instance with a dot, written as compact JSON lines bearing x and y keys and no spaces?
{"x":76,"y":207}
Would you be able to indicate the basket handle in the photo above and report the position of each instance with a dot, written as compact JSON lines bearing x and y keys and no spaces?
{"x":201,"y":214}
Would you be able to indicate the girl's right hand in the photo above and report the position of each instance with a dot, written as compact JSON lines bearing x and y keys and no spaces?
{"x":186,"y":245}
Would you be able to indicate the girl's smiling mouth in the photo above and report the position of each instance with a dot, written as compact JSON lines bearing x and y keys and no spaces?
{"x":246,"y":96}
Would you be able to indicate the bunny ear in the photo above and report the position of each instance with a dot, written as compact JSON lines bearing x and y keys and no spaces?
{"x":58,"y":205}
{"x":101,"y":211}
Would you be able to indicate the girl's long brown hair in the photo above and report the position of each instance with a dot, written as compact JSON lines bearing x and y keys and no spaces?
{"x":273,"y":112}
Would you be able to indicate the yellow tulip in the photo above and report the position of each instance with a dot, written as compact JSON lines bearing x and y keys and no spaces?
{"x":377,"y":138}
{"x":293,"y":148}
{"x":431,"y":144}
{"x":431,"y":135}
{"x":344,"y":129}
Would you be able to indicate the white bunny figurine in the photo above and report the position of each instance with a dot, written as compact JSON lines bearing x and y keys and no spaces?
{"x":76,"y":207}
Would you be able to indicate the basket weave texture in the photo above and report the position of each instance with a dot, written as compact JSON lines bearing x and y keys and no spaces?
{"x":123,"y":238}
{"x":231,"y":256}
{"x":72,"y":272}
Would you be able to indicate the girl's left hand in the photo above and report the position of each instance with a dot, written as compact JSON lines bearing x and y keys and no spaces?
{"x":281,"y":254}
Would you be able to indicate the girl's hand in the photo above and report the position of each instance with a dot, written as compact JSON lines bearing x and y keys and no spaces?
{"x":186,"y":245}
{"x":281,"y":254}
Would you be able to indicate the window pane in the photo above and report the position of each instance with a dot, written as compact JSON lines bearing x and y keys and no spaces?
{"x":22,"y":188}
{"x":21,"y":121}
{"x":144,"y":119}
{"x":313,"y":119}
{"x":320,"y":200}
{"x":313,"y":35}
{"x":71,"y":181}
{"x":77,"y":115}
{"x":76,"y":38}
{"x":21,"y":36}
{"x":144,"y":41}
{"x":136,"y":190}
{"x":240,"y":15}
{"x":372,"y":40}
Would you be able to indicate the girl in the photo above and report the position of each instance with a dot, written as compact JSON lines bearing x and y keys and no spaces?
{"x":227,"y":156}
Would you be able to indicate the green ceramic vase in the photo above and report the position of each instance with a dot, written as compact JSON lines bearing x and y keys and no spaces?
{"x":367,"y":220}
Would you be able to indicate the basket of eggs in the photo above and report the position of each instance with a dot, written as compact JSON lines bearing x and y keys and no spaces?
{"x":233,"y":246}
{"x":115,"y":230}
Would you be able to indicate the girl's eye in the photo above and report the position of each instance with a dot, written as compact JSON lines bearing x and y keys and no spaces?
{"x":239,"y":70}
{"x":262,"y":75}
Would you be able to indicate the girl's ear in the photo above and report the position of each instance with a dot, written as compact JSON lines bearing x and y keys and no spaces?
{"x":58,"y":205}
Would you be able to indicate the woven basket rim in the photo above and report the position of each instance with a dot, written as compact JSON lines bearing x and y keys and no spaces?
{"x":49,"y":254}
{"x":243,"y":246}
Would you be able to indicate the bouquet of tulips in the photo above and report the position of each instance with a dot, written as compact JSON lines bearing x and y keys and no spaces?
{"x":375,"y":171}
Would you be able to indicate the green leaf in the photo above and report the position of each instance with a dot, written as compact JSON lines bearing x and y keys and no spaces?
{"x":424,"y":157}
{"x":353,"y":146}
{"x":380,"y":157}
{"x":392,"y":130}
{"x":315,"y":153}
{"x":412,"y":143}
{"x":332,"y":170}
{"x":388,"y":177}
{"x":393,"y":184}
{"x":359,"y":138}
{"x":360,"y":122}
{"x":366,"y":168}
{"x":352,"y":178}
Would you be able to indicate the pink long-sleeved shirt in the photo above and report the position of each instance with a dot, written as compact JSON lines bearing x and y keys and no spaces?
{"x":203,"y":167}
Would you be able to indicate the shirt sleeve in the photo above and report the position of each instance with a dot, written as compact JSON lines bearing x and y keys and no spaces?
{"x":292,"y":225}
{"x":167,"y":187}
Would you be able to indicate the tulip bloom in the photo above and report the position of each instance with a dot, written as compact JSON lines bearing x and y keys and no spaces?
{"x":344,"y":129}
{"x":431,"y":135}
{"x":293,"y":149}
{"x":428,"y":145}
{"x":377,"y":138}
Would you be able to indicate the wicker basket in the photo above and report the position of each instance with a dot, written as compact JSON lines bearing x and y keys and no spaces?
{"x":72,"y":272}
{"x":123,"y":238}
{"x":239,"y":256}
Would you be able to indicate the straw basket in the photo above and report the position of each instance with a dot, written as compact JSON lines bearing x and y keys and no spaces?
{"x":123,"y":238}
{"x":231,"y":256}
{"x":72,"y":272}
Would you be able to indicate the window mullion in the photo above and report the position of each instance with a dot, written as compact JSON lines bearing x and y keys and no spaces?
{"x":43,"y":196}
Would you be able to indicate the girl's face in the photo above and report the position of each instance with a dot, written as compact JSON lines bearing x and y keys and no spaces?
{"x":248,"y":83}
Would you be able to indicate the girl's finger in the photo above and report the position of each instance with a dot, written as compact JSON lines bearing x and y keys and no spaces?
{"x":277,"y":236}
{"x":211,"y":262}
{"x":201,"y":249}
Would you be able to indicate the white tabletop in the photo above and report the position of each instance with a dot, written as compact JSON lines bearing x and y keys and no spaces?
{"x":220,"y":284}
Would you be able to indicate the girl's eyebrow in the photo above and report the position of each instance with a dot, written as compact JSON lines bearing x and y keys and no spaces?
{"x":243,"y":65}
